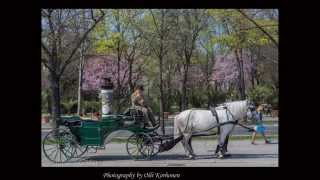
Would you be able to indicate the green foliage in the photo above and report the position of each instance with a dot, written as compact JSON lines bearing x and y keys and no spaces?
{"x":262,"y":94}
{"x":232,"y":95}
{"x":242,"y":33}
{"x":275,"y":102}
{"x":217,"y":97}
{"x":105,"y":38}
{"x":91,"y":106}
{"x":155,"y":105}
{"x":44,"y":101}
{"x":69,"y":107}
{"x":198,"y":97}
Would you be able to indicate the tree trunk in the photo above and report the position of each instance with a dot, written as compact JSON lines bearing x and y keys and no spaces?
{"x":79,"y":94}
{"x":215,"y":85}
{"x":80,"y":83}
{"x":241,"y":78}
{"x":179,"y":100}
{"x":243,"y":94}
{"x":208,"y":81}
{"x":168,"y":95}
{"x":184,"y":87}
{"x":118,"y":81}
{"x":253,"y":69}
{"x":55,"y":98}
{"x":161,"y":96}
{"x":130,"y":76}
{"x":49,"y":102}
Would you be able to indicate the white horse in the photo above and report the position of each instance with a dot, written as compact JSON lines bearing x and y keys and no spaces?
{"x":193,"y":121}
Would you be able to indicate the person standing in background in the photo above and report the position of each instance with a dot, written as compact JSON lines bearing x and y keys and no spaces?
{"x":259,"y":128}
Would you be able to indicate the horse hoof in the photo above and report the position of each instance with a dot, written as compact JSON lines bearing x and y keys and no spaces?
{"x":191,"y":157}
{"x":219,"y":155}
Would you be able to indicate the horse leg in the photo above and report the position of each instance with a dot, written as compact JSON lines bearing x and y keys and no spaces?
{"x":184,"y":144}
{"x":226,"y":143}
{"x":178,"y":126}
{"x":188,"y":148}
{"x":225,"y":146}
{"x":219,"y":148}
{"x":222,"y":144}
{"x":190,"y":144}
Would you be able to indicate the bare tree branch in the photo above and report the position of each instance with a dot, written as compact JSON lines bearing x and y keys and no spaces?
{"x":45,"y":63}
{"x":245,"y":29}
{"x":258,"y":26}
{"x":45,"y":48}
{"x":69,"y":59}
{"x":155,"y":22}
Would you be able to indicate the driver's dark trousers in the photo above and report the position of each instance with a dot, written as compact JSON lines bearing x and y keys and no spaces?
{"x":147,"y":114}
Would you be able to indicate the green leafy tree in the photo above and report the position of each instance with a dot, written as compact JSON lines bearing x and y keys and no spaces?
{"x":61,"y":38}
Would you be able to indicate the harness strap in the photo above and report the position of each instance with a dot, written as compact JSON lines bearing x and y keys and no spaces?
{"x":215,"y":114}
{"x":188,"y":120}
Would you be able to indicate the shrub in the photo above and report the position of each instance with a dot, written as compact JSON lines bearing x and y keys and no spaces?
{"x":275,"y":102}
{"x":262,"y":94}
{"x":44,"y":102}
{"x":155,"y":105}
{"x":217,"y":97}
{"x":198,"y":97}
{"x":232,"y":95}
{"x":69,"y":106}
{"x":91,"y":106}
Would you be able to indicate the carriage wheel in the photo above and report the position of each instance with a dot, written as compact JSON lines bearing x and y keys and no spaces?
{"x":133,"y":147}
{"x":78,"y":150}
{"x":139,"y":146}
{"x":156,"y":143}
{"x":147,"y":147}
{"x":57,"y":145}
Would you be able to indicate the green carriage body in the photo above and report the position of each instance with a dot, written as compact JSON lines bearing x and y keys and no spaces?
{"x":93,"y":132}
{"x":76,"y":135}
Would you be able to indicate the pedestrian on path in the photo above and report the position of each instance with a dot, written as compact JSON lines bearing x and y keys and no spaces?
{"x":259,"y":128}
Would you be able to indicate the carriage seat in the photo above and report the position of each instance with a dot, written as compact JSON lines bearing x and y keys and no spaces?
{"x":72,"y":123}
{"x":134,"y":113}
{"x":133,"y":117}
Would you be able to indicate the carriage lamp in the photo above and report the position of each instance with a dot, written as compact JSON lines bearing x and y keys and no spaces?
{"x":106,"y":94}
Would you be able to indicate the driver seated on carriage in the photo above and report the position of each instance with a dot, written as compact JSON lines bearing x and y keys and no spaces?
{"x":139,"y":103}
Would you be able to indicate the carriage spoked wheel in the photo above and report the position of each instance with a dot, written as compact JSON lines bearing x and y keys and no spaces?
{"x":78,"y":149}
{"x":140,"y":146}
{"x":58,"y":145}
{"x":156,"y":143}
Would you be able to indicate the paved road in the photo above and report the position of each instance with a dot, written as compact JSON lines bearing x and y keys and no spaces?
{"x":243,"y":155}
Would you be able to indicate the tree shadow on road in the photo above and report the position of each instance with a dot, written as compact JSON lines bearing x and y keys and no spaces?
{"x":240,"y":156}
{"x":126,"y":157}
{"x":176,"y":157}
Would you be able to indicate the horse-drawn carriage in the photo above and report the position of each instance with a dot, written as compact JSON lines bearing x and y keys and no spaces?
{"x":74,"y":136}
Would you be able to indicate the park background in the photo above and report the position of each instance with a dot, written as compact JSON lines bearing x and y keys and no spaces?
{"x":185,"y":58}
